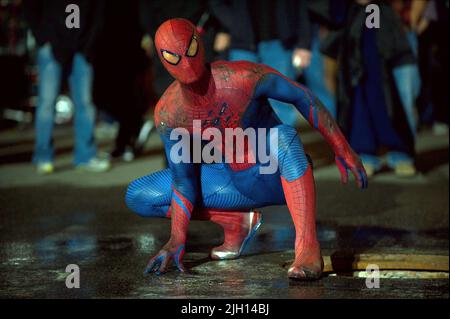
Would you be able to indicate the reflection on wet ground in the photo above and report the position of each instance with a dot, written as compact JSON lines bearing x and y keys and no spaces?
{"x":79,"y":219}
{"x":111,"y":246}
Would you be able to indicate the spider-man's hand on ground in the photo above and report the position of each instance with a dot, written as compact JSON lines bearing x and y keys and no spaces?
{"x":160,"y":263}
{"x":351,"y":161}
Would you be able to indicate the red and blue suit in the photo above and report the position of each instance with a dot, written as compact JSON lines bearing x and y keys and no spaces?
{"x":234,"y":95}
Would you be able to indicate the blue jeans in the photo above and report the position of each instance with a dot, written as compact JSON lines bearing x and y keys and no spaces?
{"x":408,"y":82}
{"x":273,"y":54}
{"x":315,"y":77}
{"x":80,"y":82}
{"x":372,"y":126}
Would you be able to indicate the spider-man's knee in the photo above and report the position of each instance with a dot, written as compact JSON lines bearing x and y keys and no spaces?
{"x":145,"y":198}
{"x":292,"y":160}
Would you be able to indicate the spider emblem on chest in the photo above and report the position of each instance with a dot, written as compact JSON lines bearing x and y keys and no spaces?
{"x":221,"y":116}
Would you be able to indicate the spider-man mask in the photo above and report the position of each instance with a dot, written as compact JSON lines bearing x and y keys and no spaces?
{"x":181,"y":50}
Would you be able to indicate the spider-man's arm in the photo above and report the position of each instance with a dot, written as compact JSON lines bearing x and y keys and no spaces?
{"x":276,"y":86}
{"x":184,"y":193}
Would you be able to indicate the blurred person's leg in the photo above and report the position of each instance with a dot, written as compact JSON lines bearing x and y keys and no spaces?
{"x":315,"y":76}
{"x":126,"y":117}
{"x":80,"y":82}
{"x":48,"y":88}
{"x":362,"y":133}
{"x":440,"y":83}
{"x":384,"y":130}
{"x":397,"y":157}
{"x":413,"y":41}
{"x":407,"y":80}
{"x":81,"y":88}
{"x":375,"y":100}
{"x":130,"y":126}
{"x":273,"y":54}
{"x":146,"y":100}
{"x":425,"y":61}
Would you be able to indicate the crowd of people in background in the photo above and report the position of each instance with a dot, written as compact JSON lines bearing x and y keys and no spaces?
{"x":381,"y":84}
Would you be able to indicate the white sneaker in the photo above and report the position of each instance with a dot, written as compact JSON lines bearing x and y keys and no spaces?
{"x":440,"y":128}
{"x":95,"y":165}
{"x":370,"y":169}
{"x":405,"y":169}
{"x":128,"y":155}
{"x":44,"y":168}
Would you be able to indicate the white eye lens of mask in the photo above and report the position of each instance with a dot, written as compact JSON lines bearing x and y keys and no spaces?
{"x":170,"y":57}
{"x":193,"y":48}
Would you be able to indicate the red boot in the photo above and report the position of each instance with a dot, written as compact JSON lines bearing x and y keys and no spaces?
{"x":238,"y":228}
{"x":301,"y":201}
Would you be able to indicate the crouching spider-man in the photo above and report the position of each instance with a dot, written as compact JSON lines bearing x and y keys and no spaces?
{"x":231,"y":95}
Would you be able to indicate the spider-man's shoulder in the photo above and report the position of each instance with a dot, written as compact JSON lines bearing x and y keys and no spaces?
{"x":167,"y":105}
{"x":239,"y":71}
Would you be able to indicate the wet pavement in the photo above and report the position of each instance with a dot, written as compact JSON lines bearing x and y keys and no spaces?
{"x":78,"y":218}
